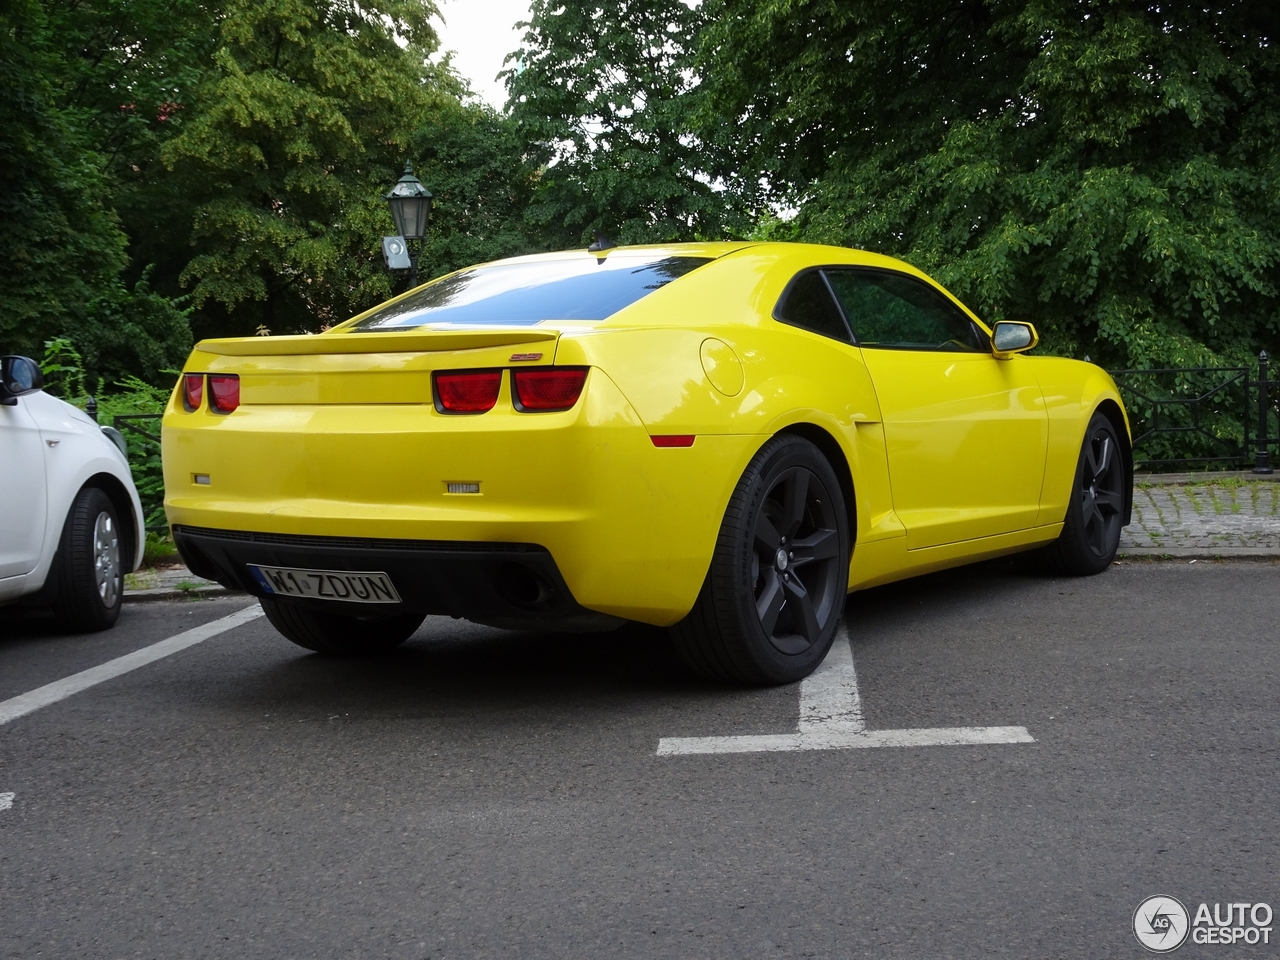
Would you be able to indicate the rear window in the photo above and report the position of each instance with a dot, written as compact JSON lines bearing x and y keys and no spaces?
{"x":525,"y":293}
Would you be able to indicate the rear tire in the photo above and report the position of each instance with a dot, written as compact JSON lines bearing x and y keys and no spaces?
{"x":340,"y":634}
{"x":1095,"y":516}
{"x":774,"y":595}
{"x":89,"y":565}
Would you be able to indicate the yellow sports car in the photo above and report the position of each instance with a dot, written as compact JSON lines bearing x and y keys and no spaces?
{"x":725,"y":438}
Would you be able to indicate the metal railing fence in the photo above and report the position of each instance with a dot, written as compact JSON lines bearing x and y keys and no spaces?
{"x":1201,"y":416}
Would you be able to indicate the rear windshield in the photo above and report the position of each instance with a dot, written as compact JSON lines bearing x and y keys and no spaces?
{"x":581,"y":288}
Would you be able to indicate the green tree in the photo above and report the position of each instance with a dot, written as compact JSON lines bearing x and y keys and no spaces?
{"x":478,"y":169}
{"x":63,"y":74}
{"x":1106,"y":168}
{"x":602,"y":91}
{"x":285,"y":148}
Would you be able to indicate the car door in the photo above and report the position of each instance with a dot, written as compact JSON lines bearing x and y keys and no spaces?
{"x":966,"y":434}
{"x":22,"y":491}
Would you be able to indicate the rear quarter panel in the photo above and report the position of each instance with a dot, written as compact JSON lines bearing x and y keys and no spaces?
{"x":791,"y":376}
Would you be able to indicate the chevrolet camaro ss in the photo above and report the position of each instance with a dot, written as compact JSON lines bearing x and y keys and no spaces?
{"x":724,"y":438}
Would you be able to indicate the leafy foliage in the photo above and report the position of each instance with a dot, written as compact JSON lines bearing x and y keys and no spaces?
{"x":603,"y":90}
{"x":1106,"y":168}
{"x":64,"y":375}
{"x":63,"y":72}
{"x":483,"y":182}
{"x":286,"y":146}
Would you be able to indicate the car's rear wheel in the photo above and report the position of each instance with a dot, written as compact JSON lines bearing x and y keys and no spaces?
{"x":89,"y":565}
{"x":340,"y":634}
{"x":774,"y":595}
{"x":1095,"y":516}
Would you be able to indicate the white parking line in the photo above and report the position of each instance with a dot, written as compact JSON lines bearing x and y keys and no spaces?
{"x":831,"y":719}
{"x":25,"y":703}
{"x":829,"y":700}
{"x":6,"y":800}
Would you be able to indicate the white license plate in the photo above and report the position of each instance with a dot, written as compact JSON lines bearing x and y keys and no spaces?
{"x":351,"y":586}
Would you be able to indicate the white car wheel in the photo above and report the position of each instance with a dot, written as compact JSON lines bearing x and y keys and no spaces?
{"x":88,"y":565}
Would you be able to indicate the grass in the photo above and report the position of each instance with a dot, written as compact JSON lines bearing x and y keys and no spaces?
{"x":159,"y":551}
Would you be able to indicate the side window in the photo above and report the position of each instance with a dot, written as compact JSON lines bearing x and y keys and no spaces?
{"x":807,"y":303}
{"x":896,"y":312}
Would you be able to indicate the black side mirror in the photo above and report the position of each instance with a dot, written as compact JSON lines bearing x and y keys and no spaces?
{"x":18,"y":377}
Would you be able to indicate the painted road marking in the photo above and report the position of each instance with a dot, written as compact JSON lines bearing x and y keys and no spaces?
{"x":6,"y":800}
{"x":831,"y":719}
{"x":32,"y":701}
{"x":829,"y":700}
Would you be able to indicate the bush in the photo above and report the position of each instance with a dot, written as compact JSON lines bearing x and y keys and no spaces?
{"x":65,"y":378}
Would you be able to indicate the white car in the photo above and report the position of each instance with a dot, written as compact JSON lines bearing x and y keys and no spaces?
{"x":71,"y":524}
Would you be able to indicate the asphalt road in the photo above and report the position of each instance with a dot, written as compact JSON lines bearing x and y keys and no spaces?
{"x":489,"y":794}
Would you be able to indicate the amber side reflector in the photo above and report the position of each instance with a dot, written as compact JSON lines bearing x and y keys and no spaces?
{"x":467,"y":391}
{"x":673,"y":440}
{"x":543,"y":389}
{"x":224,"y":392}
{"x":192,"y":391}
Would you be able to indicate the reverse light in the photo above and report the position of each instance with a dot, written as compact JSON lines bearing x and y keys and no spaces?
{"x":673,"y":440}
{"x":192,"y":391}
{"x":467,"y":391}
{"x":543,"y":389}
{"x":224,"y":392}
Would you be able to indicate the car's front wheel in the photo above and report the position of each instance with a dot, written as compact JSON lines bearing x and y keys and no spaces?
{"x":774,"y":595}
{"x":1091,"y":531}
{"x":89,"y":565}
{"x":340,"y":634}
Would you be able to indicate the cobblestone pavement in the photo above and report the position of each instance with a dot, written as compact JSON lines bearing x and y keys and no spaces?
{"x":1234,"y":516}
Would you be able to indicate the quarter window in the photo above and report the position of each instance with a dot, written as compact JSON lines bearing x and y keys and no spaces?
{"x":807,"y":303}
{"x":893,"y":311}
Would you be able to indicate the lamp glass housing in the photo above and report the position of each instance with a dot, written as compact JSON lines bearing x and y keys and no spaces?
{"x":410,"y":204}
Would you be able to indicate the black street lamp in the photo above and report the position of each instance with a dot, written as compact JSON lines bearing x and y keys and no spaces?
{"x":410,"y":204}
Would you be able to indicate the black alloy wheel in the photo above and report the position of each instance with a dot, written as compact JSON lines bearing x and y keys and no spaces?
{"x":774,"y":595}
{"x":793,"y":563}
{"x":1095,"y":516}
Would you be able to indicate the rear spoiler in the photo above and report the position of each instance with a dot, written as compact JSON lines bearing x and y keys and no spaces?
{"x":416,"y":341}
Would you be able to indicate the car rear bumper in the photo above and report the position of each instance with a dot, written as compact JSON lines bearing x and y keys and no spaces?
{"x":629,"y":526}
{"x":516,"y":585}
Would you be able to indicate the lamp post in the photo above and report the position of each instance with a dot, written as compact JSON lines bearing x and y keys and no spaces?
{"x":410,"y":204}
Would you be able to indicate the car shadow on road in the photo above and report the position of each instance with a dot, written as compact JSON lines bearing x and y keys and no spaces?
{"x":458,"y":669}
{"x":965,"y":592}
{"x":450,"y":656}
{"x":449,"y":663}
{"x":24,"y":623}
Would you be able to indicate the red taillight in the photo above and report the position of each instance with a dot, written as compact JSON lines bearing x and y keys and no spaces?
{"x":467,"y":391}
{"x":548,"y":388}
{"x":192,"y":390}
{"x":673,"y":440}
{"x":224,"y":392}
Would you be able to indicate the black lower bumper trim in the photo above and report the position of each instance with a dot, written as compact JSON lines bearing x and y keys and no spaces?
{"x":514,"y":585}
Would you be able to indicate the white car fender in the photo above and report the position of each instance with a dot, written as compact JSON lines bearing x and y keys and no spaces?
{"x":76,"y":451}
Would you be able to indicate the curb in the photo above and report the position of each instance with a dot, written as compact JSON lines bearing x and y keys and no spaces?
{"x":1183,"y":553}
{"x":1181,"y":479}
{"x":212,"y":590}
